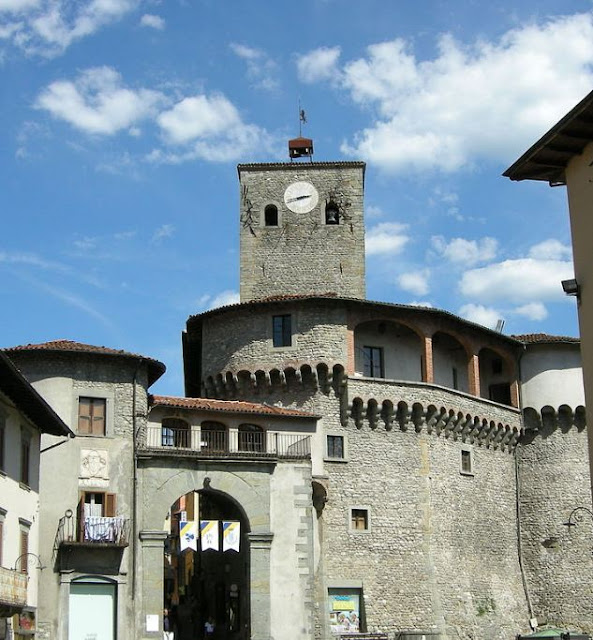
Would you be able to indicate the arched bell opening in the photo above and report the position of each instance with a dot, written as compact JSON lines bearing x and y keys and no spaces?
{"x":207,"y":566}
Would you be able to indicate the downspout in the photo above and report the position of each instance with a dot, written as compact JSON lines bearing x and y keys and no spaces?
{"x":518,"y":501}
{"x":134,"y":479}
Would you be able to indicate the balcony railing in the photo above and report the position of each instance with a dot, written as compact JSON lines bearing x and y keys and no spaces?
{"x":209,"y":443}
{"x":13,"y":589}
{"x":95,"y":530}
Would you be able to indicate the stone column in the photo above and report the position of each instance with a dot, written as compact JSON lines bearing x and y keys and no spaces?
{"x":427,"y":361}
{"x":515,"y":393}
{"x":151,"y":561}
{"x":473,"y":374}
{"x":260,"y":545}
{"x":350,"y":352}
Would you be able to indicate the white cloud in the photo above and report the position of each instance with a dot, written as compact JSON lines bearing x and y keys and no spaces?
{"x":98,"y":102}
{"x":164,"y":231}
{"x":386,"y":238}
{"x":210,"y":127}
{"x":152,"y":21}
{"x":261,"y":69}
{"x":486,"y":316}
{"x":319,"y":64}
{"x":533,"y":311}
{"x":415,"y":282}
{"x":466,"y":252}
{"x":481,"y":100}
{"x":373,"y":212}
{"x":517,"y":281}
{"x":551,"y":250}
{"x":221,"y":299}
{"x":421,"y":303}
{"x":48,"y":27}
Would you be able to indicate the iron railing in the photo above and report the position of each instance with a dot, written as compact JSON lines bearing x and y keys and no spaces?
{"x":93,"y":530}
{"x":207,"y":443}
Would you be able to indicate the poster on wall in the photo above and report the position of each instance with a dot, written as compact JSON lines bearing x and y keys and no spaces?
{"x":344,"y":610}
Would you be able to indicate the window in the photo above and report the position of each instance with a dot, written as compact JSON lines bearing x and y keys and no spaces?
{"x":359,"y":519}
{"x":373,"y":362}
{"x":2,"y":516}
{"x":345,"y":610}
{"x":455,"y":378}
{"x":466,"y":462}
{"x":251,"y":438}
{"x":97,"y":521}
{"x":335,"y":447}
{"x":91,"y":416}
{"x":24,"y":546}
{"x":332,"y":213}
{"x":25,"y":458}
{"x":271,"y":216}
{"x":175,"y":432}
{"x":500,"y":393}
{"x":497,"y":366}
{"x":282,"y":330}
{"x":214,"y":437}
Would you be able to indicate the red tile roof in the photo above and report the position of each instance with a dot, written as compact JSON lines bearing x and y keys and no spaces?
{"x":156,"y":367}
{"x":534,"y":338}
{"x":228,"y":406}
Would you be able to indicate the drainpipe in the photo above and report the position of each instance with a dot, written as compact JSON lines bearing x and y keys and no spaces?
{"x":134,"y":479}
{"x":518,"y":496}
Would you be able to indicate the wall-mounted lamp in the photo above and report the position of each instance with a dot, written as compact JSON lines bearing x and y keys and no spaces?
{"x":571,"y":287}
{"x":26,"y":559}
{"x":576,"y":516}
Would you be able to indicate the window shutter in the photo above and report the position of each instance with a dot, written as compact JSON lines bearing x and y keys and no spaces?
{"x":24,"y":551}
{"x":80,"y":518}
{"x":189,"y":505}
{"x":84,"y":415}
{"x":110,"y":505}
{"x":98,"y":417}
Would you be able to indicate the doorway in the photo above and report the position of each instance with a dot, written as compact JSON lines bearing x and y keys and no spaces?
{"x":207,"y":585}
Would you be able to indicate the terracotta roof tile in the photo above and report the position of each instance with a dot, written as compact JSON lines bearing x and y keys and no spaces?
{"x":533,"y":338}
{"x":228,"y":406}
{"x":157,"y":368}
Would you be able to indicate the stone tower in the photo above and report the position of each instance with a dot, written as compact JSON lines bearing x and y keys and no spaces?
{"x":302,"y":229}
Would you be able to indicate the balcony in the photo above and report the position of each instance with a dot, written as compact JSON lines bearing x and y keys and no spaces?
{"x":93,"y":531}
{"x":224,"y":444}
{"x":13,"y":591}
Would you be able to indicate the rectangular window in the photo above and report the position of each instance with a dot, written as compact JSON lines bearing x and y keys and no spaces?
{"x":497,"y":366}
{"x":455,"y":378}
{"x":373,"y":362}
{"x":466,"y":461}
{"x":359,"y":519}
{"x":500,"y":393}
{"x":96,"y":517}
{"x":282,"y":330}
{"x":24,"y":548}
{"x":345,"y":611}
{"x":91,"y":416}
{"x":25,"y":459}
{"x":335,"y":447}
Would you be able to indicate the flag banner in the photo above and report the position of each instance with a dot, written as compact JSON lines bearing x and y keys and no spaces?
{"x":209,"y":534}
{"x":188,"y":538}
{"x":231,"y":536}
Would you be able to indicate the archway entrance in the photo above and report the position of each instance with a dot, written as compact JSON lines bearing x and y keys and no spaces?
{"x":206,"y":579}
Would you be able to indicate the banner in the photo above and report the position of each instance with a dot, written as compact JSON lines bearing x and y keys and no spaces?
{"x":188,"y":538}
{"x":231,"y":536}
{"x":209,"y":534}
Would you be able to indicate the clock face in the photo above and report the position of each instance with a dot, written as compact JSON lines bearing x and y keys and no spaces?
{"x":301,"y":197}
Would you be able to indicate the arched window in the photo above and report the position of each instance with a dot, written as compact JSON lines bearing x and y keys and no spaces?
{"x":332,"y":213}
{"x":214,"y":437}
{"x":271,"y":215}
{"x":175,"y":432}
{"x":251,"y":438}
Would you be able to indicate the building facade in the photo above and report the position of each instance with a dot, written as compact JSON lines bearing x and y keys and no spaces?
{"x":385,"y":468}
{"x":24,"y":416}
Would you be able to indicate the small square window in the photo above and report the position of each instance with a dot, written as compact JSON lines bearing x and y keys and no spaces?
{"x":91,"y":416}
{"x":282,"y":330}
{"x":335,"y":447}
{"x":467,"y":462}
{"x":359,"y":519}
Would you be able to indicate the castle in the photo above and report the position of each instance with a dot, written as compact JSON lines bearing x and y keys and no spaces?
{"x":391,"y":469}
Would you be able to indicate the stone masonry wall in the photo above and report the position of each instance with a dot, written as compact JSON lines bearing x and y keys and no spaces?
{"x":302,"y":254}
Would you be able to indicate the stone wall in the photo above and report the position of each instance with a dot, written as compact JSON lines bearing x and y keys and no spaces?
{"x":302,"y":254}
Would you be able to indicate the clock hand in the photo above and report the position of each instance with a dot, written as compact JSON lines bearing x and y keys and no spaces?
{"x":298,"y":198}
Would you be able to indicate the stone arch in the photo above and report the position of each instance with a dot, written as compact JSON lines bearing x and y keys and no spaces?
{"x":451,"y":356}
{"x":497,"y":373}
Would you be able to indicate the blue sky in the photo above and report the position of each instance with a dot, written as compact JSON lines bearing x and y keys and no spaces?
{"x":123,"y":122}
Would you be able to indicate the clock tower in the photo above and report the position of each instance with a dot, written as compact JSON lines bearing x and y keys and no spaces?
{"x":302,"y":229}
